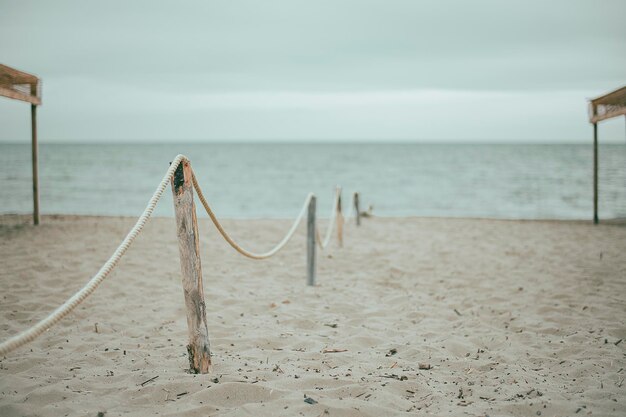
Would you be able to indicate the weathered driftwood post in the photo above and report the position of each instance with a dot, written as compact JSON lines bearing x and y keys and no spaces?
{"x":356,"y":209}
{"x":189,"y":246}
{"x":310,"y":242}
{"x":339,"y":218}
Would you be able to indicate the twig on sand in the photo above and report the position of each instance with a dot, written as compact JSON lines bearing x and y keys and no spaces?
{"x":148,"y":380}
{"x":167,"y":394}
{"x":334,"y":350}
{"x":394,"y":376}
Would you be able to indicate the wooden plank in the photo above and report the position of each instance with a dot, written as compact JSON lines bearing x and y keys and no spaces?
{"x":16,"y":76}
{"x":191,"y":269}
{"x":310,"y":242}
{"x":595,"y":173}
{"x":35,"y":162}
{"x":608,"y":115}
{"x":614,"y":97}
{"x":615,"y":101}
{"x":6,"y":92}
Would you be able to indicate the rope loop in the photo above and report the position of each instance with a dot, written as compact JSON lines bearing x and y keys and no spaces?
{"x":232,"y":242}
{"x":64,"y":309}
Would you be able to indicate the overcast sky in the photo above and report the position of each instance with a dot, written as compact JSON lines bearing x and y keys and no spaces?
{"x":314,"y":70}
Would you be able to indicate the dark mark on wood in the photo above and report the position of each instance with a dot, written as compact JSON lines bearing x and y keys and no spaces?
{"x":179,"y":177}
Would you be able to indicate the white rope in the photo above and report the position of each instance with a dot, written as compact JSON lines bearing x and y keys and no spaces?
{"x":33,"y":332}
{"x":232,"y":242}
{"x":351,"y":212}
{"x":331,"y":224}
{"x":30,"y":334}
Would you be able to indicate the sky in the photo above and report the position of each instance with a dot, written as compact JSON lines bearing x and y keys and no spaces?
{"x":326,"y":70}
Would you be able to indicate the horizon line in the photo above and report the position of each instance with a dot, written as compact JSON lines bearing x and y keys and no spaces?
{"x":309,"y":142}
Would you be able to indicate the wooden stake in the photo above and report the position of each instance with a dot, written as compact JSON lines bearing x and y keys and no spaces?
{"x":189,"y":246}
{"x":595,"y":173}
{"x":35,"y":159}
{"x":357,"y":209}
{"x":310,"y":242}
{"x":340,"y":219}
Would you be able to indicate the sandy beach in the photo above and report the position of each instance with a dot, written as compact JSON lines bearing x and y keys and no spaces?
{"x":417,"y":316}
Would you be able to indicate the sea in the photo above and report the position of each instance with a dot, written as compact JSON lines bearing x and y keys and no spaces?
{"x":272,"y":180}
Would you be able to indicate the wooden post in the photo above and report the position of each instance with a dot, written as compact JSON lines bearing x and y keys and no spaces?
{"x":595,"y":173}
{"x":339,"y":218}
{"x":357,"y":209}
{"x":310,"y":242}
{"x":189,"y":246}
{"x":35,"y":161}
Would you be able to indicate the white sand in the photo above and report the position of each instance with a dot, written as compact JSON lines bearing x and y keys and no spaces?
{"x":515,"y":318}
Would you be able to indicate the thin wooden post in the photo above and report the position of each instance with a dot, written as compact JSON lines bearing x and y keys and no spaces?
{"x":357,"y":210}
{"x":310,"y":242}
{"x":35,"y":161}
{"x":595,"y":173}
{"x":189,"y":246}
{"x":339,"y":218}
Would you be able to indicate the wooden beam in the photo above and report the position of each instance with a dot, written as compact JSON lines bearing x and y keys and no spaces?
{"x":191,"y":269}
{"x":6,"y":92}
{"x":595,"y":173}
{"x":612,"y":104}
{"x":35,"y":162}
{"x":608,"y":115}
{"x":616,"y":96}
{"x":16,"y":76}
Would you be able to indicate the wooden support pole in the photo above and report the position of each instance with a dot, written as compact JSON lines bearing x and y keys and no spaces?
{"x":340,"y":219}
{"x":310,"y":242}
{"x":595,"y":173}
{"x":189,"y":246}
{"x":357,"y":210}
{"x":35,"y":161}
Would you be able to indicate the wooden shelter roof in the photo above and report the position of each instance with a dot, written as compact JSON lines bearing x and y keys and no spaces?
{"x":609,"y":105}
{"x":19,"y":85}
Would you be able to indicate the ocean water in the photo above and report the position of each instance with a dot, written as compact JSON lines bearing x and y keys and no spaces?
{"x":272,"y":180}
